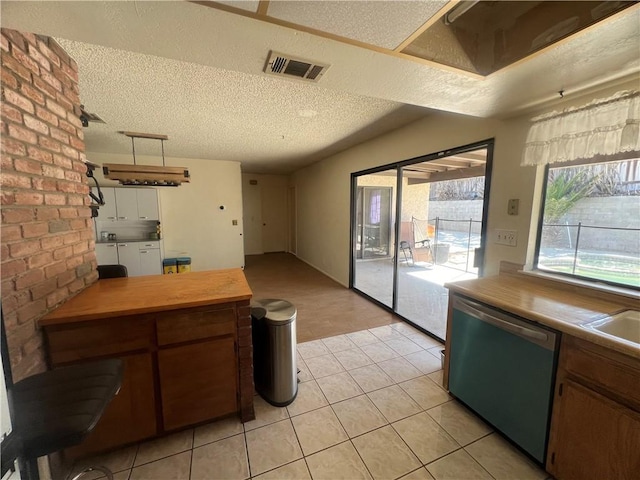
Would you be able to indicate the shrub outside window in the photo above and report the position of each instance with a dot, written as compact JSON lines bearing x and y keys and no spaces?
{"x":590,"y":226}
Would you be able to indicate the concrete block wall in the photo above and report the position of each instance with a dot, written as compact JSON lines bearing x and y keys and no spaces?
{"x":47,"y":238}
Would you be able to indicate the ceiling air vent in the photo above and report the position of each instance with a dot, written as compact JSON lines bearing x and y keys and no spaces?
{"x":285,"y":65}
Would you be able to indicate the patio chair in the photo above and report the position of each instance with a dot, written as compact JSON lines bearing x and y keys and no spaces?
{"x":423,"y":233}
{"x":404,"y":247}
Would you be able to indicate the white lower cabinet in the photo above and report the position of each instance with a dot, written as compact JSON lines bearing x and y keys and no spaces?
{"x":140,"y":258}
{"x":150,"y":261}
{"x":129,"y":256}
{"x":107,"y":253}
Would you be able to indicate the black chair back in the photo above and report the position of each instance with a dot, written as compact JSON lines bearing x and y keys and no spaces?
{"x":112,"y":271}
{"x":11,"y":445}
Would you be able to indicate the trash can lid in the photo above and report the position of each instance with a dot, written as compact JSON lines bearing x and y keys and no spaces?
{"x":277,"y":311}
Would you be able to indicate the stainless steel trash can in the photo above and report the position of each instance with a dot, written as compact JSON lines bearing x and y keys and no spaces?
{"x":274,"y":350}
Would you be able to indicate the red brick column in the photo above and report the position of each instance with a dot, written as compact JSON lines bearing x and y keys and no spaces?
{"x":47,"y":233}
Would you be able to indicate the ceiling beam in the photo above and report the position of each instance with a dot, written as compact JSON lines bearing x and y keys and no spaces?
{"x":438,"y":15}
{"x":450,"y":175}
{"x":451,"y":163}
{"x":263,"y":7}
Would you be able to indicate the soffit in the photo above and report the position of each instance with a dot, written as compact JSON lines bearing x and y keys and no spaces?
{"x":215,"y":60}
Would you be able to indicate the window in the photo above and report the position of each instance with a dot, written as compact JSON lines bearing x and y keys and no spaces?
{"x":590,"y":226}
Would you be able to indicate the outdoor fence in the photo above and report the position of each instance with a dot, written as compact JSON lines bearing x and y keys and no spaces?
{"x":564,"y":250}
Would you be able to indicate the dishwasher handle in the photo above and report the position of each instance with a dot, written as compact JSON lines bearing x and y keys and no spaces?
{"x":502,"y":321}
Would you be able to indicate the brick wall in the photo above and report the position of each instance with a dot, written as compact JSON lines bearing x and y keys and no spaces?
{"x":47,"y":235}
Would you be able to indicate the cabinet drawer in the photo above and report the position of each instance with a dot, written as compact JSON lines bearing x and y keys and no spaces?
{"x":71,"y":343}
{"x":195,"y":324}
{"x":148,"y":245}
{"x":617,"y":373}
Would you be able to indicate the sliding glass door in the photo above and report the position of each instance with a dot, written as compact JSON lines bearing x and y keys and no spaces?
{"x":373,"y":234}
{"x":417,"y":225}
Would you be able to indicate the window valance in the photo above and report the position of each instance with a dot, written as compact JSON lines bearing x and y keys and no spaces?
{"x":602,"y":127}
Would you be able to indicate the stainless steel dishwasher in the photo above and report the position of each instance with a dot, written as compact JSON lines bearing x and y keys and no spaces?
{"x":503,"y":367}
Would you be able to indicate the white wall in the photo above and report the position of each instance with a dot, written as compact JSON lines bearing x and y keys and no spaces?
{"x":192,"y":222}
{"x":324,"y":188}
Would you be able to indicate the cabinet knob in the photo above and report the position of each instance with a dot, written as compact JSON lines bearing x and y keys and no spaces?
{"x":143,"y":218}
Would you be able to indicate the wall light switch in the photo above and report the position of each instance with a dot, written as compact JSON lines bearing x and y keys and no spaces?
{"x":507,"y":237}
{"x":234,"y":222}
{"x":512,"y":208}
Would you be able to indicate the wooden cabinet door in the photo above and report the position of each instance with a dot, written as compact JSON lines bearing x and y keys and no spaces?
{"x":126,"y":203}
{"x":198,"y":382}
{"x":592,"y":436}
{"x":131,"y":415}
{"x":147,"y":204}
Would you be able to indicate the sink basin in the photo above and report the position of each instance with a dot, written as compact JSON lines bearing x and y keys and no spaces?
{"x":625,"y":325}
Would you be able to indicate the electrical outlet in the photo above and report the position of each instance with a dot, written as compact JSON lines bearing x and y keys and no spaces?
{"x":513,"y":206}
{"x":507,"y":237}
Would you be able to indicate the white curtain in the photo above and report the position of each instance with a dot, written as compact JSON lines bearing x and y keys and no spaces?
{"x":603,"y":127}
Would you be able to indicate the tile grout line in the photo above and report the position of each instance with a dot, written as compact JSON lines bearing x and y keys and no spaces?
{"x":193,"y":441}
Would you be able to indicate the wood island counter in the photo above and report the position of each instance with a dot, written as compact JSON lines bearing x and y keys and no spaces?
{"x":185,"y":340}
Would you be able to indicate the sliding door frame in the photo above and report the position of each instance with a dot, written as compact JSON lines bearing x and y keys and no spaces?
{"x":398,"y":166}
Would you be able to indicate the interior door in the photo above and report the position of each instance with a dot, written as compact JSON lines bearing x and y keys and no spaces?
{"x":293,"y":224}
{"x":252,"y":217}
{"x":274,"y":218}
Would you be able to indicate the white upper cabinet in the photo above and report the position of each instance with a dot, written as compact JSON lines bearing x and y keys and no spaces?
{"x":108,"y":210}
{"x":128,"y":204}
{"x":147,"y":204}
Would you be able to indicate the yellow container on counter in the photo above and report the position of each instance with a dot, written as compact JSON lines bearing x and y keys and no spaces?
{"x":170,"y":265}
{"x":184,"y":264}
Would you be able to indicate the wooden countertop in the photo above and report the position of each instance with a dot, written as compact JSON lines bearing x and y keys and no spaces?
{"x":548,"y":303}
{"x":117,"y":297}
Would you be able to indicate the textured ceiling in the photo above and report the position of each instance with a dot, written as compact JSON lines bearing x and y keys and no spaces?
{"x":195,"y":74}
{"x":383,"y":24}
{"x":219,"y":114}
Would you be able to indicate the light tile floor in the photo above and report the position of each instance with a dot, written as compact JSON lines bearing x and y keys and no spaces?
{"x":370,"y":406}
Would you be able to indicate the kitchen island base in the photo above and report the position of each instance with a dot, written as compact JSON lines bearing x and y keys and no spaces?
{"x":183,"y":366}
